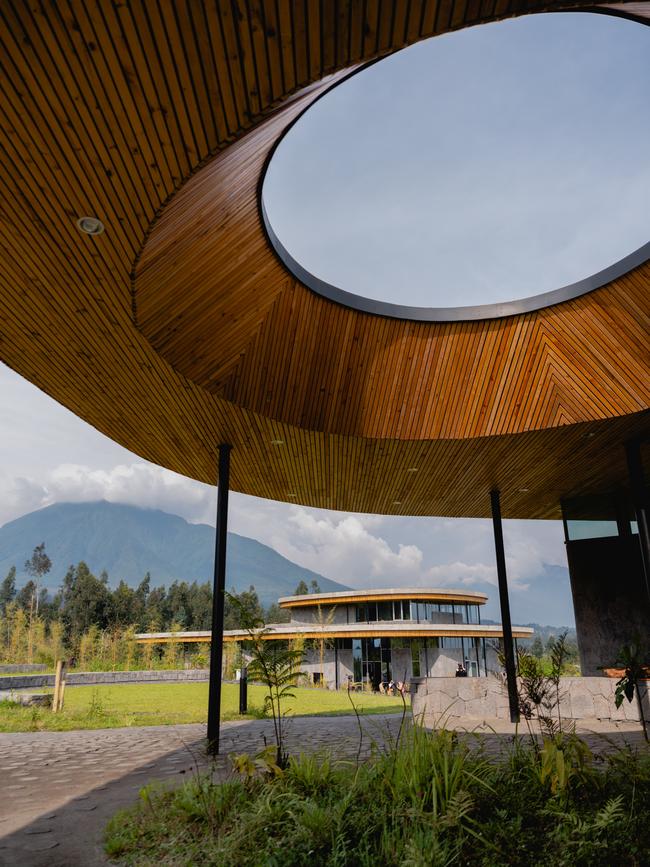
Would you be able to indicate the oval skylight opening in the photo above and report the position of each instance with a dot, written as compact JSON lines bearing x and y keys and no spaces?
{"x":475,"y":174}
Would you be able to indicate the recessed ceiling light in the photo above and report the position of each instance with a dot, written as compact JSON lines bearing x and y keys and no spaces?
{"x":397,"y":502}
{"x":90,"y":225}
{"x":523,"y":490}
{"x":412,"y":470}
{"x":292,"y":496}
{"x":277,"y":442}
{"x":588,"y":435}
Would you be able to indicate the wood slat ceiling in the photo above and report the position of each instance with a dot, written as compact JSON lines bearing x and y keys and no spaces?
{"x":109,"y":110}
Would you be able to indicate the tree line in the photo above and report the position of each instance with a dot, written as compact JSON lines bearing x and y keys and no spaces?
{"x":85,"y":613}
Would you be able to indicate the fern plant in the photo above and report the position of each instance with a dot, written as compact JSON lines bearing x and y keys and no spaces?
{"x":276,"y":664}
{"x":631,"y":657}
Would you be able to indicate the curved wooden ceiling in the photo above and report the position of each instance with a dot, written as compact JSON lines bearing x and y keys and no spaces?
{"x":178,"y":329}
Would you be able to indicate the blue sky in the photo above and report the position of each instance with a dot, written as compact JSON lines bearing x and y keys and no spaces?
{"x":478,"y":172}
{"x":484,"y":165}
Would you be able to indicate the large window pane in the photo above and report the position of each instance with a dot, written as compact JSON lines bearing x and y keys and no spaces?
{"x":415,"y":658}
{"x":356,"y":659}
{"x":385,"y":610}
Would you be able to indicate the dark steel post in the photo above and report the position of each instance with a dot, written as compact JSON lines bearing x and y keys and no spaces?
{"x":506,"y":624}
{"x":641,"y":501}
{"x":218,"y":600}
{"x":243,"y":690}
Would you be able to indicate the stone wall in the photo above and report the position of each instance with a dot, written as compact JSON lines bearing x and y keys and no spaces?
{"x":23,"y":667}
{"x":90,"y":678}
{"x":483,"y":698}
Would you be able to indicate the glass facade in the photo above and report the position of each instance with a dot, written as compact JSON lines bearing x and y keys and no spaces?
{"x":373,"y":659}
{"x":420,"y":612}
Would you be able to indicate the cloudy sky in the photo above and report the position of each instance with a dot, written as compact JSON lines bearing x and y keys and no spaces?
{"x":533,"y":150}
{"x":484,"y":165}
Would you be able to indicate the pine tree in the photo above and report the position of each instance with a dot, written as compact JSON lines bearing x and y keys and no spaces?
{"x":7,"y":590}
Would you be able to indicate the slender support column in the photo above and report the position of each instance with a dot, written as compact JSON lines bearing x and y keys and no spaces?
{"x":218,"y":600}
{"x":336,"y":665}
{"x":641,"y":500}
{"x":508,"y":647}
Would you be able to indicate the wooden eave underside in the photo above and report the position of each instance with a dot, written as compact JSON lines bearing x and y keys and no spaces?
{"x":360,"y":631}
{"x":110,"y":109}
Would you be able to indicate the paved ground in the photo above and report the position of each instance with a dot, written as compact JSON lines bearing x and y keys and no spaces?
{"x":58,"y":789}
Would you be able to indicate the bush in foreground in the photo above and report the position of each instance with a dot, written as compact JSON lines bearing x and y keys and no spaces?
{"x":431,"y":800}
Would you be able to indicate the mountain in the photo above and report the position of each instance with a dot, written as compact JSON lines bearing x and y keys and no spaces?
{"x":546,"y":599}
{"x":128,"y":541}
{"x":543,"y":632}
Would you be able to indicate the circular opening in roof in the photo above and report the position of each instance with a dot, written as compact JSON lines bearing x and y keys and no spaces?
{"x":497,"y":169}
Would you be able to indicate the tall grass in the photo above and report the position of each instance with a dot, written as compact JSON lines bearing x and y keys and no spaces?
{"x":430,"y":800}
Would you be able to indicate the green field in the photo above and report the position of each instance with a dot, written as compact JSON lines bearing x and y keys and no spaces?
{"x":92,"y":707}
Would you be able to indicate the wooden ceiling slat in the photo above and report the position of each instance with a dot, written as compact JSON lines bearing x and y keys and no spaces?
{"x":300,"y":41}
{"x":313,"y":41}
{"x":343,"y":34}
{"x":328,"y":35}
{"x":472,"y":11}
{"x":290,"y":74}
{"x":166,"y":95}
{"x":115,"y":68}
{"x":93,"y":75}
{"x":429,"y":16}
{"x":183,"y":37}
{"x":371,"y":28}
{"x":73,"y":76}
{"x":400,"y":23}
{"x":385,"y":30}
{"x":37,"y":220}
{"x":129,"y":32}
{"x":30,"y":101}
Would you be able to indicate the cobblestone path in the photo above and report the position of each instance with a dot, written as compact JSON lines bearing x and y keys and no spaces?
{"x":58,"y":789}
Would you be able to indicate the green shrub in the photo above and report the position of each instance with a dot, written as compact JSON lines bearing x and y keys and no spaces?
{"x":433,"y":800}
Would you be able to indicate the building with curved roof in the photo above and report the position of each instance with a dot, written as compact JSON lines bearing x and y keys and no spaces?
{"x":368,"y":637}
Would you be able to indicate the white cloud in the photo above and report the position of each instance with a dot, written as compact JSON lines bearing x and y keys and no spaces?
{"x":138,"y":484}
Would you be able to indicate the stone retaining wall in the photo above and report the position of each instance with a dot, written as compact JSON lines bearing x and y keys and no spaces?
{"x":480,"y":698}
{"x":24,"y":667}
{"x":90,"y":678}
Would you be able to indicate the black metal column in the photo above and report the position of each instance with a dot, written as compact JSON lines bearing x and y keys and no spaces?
{"x":218,"y":600}
{"x":506,"y":624}
{"x":641,"y":500}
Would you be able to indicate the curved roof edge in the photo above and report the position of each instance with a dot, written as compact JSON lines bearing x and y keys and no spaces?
{"x":383,"y":629}
{"x":424,"y":594}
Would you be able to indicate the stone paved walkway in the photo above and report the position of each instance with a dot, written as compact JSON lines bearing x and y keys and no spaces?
{"x":58,"y":789}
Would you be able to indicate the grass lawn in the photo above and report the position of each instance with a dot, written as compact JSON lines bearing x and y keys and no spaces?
{"x":93,"y":707}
